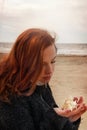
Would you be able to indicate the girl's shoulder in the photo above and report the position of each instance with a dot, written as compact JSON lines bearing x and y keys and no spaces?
{"x":16,"y":108}
{"x":16,"y":104}
{"x":14,"y":113}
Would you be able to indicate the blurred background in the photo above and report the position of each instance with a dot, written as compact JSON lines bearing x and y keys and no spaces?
{"x":65,"y":18}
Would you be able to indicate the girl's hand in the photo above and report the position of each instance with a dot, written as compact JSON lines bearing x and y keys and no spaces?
{"x":76,"y":113}
{"x":81,"y":109}
{"x":77,"y":116}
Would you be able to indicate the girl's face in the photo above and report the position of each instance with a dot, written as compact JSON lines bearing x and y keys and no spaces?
{"x":49,"y":56}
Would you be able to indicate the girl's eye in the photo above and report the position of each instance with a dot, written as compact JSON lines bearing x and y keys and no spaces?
{"x":53,"y":61}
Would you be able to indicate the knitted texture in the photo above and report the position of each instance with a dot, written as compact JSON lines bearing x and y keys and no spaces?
{"x":33,"y":112}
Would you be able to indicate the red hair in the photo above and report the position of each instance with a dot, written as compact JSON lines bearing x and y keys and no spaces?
{"x":20,"y":70}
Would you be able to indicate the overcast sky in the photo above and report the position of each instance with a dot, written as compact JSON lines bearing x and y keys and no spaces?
{"x":67,"y":18}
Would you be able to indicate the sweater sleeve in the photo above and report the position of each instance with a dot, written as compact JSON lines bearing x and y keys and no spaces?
{"x":72,"y":126}
{"x":58,"y":122}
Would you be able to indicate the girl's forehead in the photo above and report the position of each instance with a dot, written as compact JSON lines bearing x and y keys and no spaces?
{"x":49,"y":52}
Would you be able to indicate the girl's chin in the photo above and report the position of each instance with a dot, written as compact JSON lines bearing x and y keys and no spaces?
{"x":45,"y":81}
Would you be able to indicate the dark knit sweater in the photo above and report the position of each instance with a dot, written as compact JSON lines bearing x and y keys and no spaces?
{"x":34,"y":112}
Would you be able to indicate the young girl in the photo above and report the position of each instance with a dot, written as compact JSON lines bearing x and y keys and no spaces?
{"x":26,"y":100}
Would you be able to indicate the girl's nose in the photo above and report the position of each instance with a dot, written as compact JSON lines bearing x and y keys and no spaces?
{"x":49,"y":69}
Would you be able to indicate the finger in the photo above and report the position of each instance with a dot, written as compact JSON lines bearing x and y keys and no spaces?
{"x":80,"y":100}
{"x":75,"y":99}
{"x":84,"y":107}
{"x":77,"y":111}
{"x":77,"y":116}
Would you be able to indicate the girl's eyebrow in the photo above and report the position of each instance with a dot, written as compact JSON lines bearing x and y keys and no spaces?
{"x":54,"y":58}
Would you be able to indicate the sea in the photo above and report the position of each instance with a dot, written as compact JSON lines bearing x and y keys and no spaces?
{"x":62,"y":48}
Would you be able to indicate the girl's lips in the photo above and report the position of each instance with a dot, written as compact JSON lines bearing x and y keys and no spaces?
{"x":47,"y":77}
